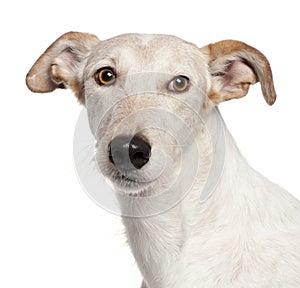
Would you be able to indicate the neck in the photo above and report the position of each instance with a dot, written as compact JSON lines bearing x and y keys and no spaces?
{"x":157,"y":241}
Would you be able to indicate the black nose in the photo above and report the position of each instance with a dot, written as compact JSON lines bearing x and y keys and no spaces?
{"x":127,"y":152}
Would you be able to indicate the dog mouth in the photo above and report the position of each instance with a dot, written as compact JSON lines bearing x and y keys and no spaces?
{"x":130,"y":186}
{"x":123,"y":179}
{"x":128,"y":179}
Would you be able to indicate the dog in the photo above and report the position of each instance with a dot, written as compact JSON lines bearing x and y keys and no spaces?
{"x":152,"y":105}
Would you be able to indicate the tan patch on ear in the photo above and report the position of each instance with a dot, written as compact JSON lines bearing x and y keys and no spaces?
{"x":39,"y":82}
{"x":57,"y":76}
{"x":214,"y":96}
{"x":75,"y":85}
{"x":233,"y":83}
{"x":217,"y":97}
{"x":225,"y":47}
{"x":229,"y":51}
{"x":58,"y":66}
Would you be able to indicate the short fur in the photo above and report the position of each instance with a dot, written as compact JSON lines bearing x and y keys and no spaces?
{"x":247,"y":233}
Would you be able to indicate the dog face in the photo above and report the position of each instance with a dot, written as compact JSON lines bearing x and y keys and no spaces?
{"x":148,"y":99}
{"x":140,"y":118}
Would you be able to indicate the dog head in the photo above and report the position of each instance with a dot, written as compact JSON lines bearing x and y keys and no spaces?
{"x":148,"y":98}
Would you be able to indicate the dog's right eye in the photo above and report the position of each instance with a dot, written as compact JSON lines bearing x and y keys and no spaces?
{"x":179,"y":84}
{"x":105,"y":76}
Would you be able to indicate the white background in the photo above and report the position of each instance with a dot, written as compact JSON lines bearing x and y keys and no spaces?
{"x":52,"y":234}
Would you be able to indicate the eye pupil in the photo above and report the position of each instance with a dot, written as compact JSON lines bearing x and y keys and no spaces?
{"x":179,"y":84}
{"x":105,"y":76}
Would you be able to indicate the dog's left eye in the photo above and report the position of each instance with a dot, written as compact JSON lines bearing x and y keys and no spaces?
{"x":105,"y":76}
{"x":179,"y":84}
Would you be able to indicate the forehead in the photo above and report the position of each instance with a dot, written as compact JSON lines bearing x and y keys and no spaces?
{"x":145,"y":52}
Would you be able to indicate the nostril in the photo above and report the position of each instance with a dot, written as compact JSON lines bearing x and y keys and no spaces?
{"x":127,"y":152}
{"x":140,"y":155}
{"x":139,"y":152}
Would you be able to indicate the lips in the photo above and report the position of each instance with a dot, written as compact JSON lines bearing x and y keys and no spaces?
{"x":123,"y":180}
{"x":121,"y":177}
{"x":131,"y":187}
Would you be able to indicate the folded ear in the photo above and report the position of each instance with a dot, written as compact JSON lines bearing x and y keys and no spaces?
{"x":234,"y":66}
{"x":60,"y":65}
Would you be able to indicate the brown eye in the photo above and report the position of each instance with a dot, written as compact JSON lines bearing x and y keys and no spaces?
{"x":105,"y":76}
{"x":179,"y":84}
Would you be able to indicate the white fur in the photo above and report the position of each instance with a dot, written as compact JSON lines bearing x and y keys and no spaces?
{"x":246,"y":234}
